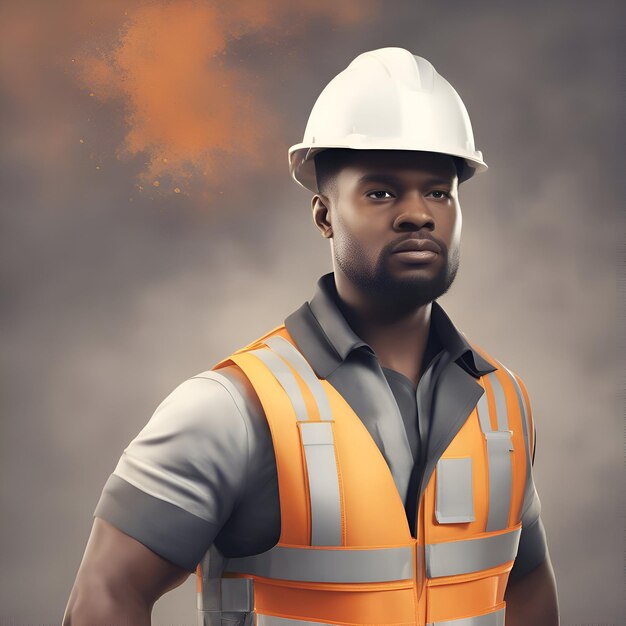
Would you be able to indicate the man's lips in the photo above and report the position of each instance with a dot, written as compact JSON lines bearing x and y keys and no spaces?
{"x":418,"y":245}
{"x":421,"y":250}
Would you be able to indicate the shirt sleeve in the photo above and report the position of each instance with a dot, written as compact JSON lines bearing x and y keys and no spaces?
{"x":533,"y":547}
{"x":180,"y":478}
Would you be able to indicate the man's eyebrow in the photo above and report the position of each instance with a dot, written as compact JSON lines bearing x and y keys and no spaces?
{"x":392,"y":179}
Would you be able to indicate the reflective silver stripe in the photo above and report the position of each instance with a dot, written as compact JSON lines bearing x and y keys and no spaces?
{"x":490,"y":619}
{"x":209,"y":598}
{"x":237,"y":594}
{"x":286,"y":379}
{"x":470,"y":555}
{"x":483,"y":413}
{"x":317,"y":439}
{"x":222,"y":597}
{"x":501,"y":412}
{"x":321,"y":467}
{"x":521,"y":401}
{"x":211,"y":566}
{"x":273,"y":620}
{"x":340,"y":565}
{"x":233,"y":597}
{"x":287,"y":351}
{"x":499,"y":445}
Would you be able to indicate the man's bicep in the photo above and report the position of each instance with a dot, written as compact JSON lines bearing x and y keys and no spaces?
{"x":177,"y":482}
{"x":123,"y":564}
{"x":119,"y":580}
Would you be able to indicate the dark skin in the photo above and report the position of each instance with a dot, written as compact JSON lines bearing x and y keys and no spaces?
{"x":119,"y":580}
{"x":385,"y":298}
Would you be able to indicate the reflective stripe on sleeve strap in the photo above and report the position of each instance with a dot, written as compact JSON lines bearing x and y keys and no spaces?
{"x":287,"y":351}
{"x":498,"y":393}
{"x":343,"y":565}
{"x":323,"y":476}
{"x":499,"y":444}
{"x":453,"y":558}
{"x":285,"y":377}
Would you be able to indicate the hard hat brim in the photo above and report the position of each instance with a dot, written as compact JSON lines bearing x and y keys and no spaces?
{"x":302,"y":163}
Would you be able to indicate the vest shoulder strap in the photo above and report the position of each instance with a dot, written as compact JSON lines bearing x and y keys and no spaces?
{"x":256,"y":343}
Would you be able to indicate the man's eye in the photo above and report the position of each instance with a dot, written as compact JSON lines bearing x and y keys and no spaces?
{"x":379,"y":195}
{"x":439,"y":195}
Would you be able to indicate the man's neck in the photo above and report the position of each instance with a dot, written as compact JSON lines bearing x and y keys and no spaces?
{"x":398,"y":338}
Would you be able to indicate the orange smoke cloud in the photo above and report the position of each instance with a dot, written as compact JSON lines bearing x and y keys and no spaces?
{"x":186,"y":107}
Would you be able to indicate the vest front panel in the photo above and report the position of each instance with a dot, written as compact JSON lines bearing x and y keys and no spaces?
{"x":464,"y":471}
{"x":345,"y":554}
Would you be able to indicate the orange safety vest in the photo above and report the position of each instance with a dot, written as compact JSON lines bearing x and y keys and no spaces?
{"x":346,"y":554}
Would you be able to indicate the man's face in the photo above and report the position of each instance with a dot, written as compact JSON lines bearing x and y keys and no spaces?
{"x":384,"y":198}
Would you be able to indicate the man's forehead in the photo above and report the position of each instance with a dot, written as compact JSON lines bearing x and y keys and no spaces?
{"x":399,"y":162}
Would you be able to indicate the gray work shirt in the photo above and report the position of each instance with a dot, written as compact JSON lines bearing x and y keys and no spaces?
{"x":203,"y":469}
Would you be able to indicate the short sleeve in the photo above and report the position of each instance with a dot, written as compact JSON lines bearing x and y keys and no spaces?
{"x":178,"y":481}
{"x":533,"y":547}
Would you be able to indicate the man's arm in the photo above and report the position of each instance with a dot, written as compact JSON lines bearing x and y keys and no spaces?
{"x":173,"y":489}
{"x":119,"y":580}
{"x":532,"y":599}
{"x":531,"y":593}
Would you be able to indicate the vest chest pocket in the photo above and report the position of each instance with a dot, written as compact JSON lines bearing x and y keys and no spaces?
{"x":454,"y":499}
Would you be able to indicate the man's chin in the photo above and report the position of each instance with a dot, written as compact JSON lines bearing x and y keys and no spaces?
{"x":411,"y":283}
{"x":415,"y":290}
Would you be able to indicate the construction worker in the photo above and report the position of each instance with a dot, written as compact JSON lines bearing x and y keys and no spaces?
{"x":363,"y":462}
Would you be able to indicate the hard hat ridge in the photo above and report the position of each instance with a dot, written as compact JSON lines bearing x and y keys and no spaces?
{"x":403,"y":66}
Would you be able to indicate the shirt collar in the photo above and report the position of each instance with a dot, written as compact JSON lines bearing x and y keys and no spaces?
{"x":341,"y":340}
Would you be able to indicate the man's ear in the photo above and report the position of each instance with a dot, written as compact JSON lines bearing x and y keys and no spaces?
{"x":320,"y":205}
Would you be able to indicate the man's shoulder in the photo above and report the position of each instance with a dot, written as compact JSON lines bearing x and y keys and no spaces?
{"x":233,"y":386}
{"x":228,"y":400}
{"x":281,"y":329}
{"x":224,"y":389}
{"x":202,"y":405}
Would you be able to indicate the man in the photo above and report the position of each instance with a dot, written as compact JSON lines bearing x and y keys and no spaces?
{"x":362,"y":463}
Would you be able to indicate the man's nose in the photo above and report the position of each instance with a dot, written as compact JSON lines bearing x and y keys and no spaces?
{"x":414,"y":213}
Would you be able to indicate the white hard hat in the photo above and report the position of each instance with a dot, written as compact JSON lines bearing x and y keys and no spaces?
{"x":386,"y":99}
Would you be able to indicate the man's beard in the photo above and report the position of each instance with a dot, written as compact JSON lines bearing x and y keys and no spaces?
{"x":401,"y":294}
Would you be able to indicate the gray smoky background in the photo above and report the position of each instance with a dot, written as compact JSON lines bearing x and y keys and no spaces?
{"x":150,"y":227}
